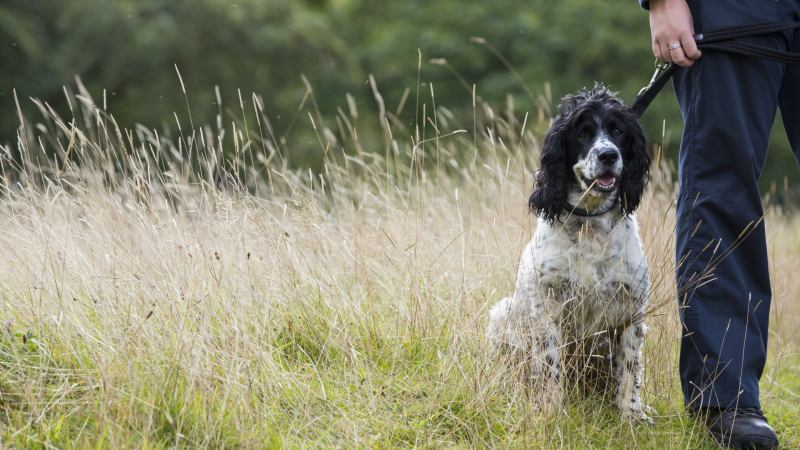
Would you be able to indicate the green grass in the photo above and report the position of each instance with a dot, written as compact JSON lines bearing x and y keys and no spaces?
{"x":399,"y":392}
{"x":146,"y":304}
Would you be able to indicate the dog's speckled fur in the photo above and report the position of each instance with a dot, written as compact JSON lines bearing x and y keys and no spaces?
{"x":583,"y":277}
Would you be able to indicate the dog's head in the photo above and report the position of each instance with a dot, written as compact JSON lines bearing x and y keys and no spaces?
{"x":594,"y":146}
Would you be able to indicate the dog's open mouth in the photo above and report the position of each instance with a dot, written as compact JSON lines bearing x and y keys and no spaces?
{"x":604,"y":183}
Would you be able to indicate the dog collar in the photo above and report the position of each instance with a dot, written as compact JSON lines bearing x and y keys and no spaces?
{"x":578,"y":211}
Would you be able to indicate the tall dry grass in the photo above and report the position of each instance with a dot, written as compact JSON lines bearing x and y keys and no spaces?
{"x":193,"y":291}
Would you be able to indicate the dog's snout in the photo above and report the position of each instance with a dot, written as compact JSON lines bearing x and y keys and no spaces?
{"x":608,"y":156}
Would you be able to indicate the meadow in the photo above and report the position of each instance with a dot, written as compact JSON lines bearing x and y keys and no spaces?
{"x":193,"y":291}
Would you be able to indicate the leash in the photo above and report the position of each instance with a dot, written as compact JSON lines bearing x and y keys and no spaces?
{"x":724,"y":40}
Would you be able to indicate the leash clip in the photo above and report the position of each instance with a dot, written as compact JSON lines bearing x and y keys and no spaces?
{"x":661,"y":66}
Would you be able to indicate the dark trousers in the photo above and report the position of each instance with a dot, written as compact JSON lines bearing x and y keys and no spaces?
{"x":729,"y":105}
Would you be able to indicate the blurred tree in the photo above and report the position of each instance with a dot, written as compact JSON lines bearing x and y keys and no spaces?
{"x":130,"y":48}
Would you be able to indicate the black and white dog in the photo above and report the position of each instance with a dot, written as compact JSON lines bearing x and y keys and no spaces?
{"x":583,"y":277}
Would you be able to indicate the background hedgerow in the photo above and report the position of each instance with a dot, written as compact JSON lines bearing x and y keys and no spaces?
{"x":168,"y":291}
{"x":125,"y":51}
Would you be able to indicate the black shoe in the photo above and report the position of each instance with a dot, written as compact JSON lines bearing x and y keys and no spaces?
{"x":744,"y":428}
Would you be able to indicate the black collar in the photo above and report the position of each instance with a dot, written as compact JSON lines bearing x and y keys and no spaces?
{"x":578,"y":211}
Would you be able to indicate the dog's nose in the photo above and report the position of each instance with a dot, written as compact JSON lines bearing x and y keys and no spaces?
{"x":608,"y":156}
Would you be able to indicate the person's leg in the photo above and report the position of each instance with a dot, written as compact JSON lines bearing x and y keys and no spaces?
{"x":790,"y":94}
{"x":728,"y":105}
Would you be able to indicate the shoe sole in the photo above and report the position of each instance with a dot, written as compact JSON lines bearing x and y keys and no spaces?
{"x":736,"y":445}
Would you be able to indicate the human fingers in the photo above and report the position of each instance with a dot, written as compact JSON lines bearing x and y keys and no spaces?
{"x":665,"y":53}
{"x":677,"y":54}
{"x":690,"y":46}
{"x":657,"y":51}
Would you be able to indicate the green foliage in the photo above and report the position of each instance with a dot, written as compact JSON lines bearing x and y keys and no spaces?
{"x":126,"y":52}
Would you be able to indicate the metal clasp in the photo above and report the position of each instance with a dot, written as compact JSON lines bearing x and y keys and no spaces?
{"x":661,"y":66}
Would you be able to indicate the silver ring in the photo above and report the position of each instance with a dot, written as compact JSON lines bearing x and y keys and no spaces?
{"x":674,"y":45}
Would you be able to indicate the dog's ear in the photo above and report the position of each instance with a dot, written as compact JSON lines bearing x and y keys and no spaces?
{"x":550,"y":186}
{"x":636,"y":169}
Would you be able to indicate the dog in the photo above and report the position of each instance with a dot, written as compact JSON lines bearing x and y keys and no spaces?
{"x":583,"y":276}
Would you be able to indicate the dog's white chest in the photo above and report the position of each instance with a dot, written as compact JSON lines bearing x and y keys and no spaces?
{"x":592,"y":277}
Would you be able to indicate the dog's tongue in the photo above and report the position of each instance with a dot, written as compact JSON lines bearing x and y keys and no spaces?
{"x":606,"y":180}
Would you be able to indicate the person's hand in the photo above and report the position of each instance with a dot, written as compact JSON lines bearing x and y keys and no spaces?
{"x":672,"y":30}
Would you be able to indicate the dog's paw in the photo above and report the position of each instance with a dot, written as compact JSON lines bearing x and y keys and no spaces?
{"x":638,"y":416}
{"x":649,"y":410}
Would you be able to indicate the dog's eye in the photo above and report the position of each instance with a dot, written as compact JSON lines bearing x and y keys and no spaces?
{"x":584,"y":134}
{"x":617,"y":132}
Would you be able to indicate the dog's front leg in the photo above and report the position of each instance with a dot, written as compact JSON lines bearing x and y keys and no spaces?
{"x":547,"y":365}
{"x":628,"y":373}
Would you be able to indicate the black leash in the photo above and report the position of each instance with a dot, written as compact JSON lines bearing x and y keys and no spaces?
{"x":724,"y":40}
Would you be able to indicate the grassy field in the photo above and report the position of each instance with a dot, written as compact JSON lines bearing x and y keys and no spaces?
{"x":154,"y":298}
